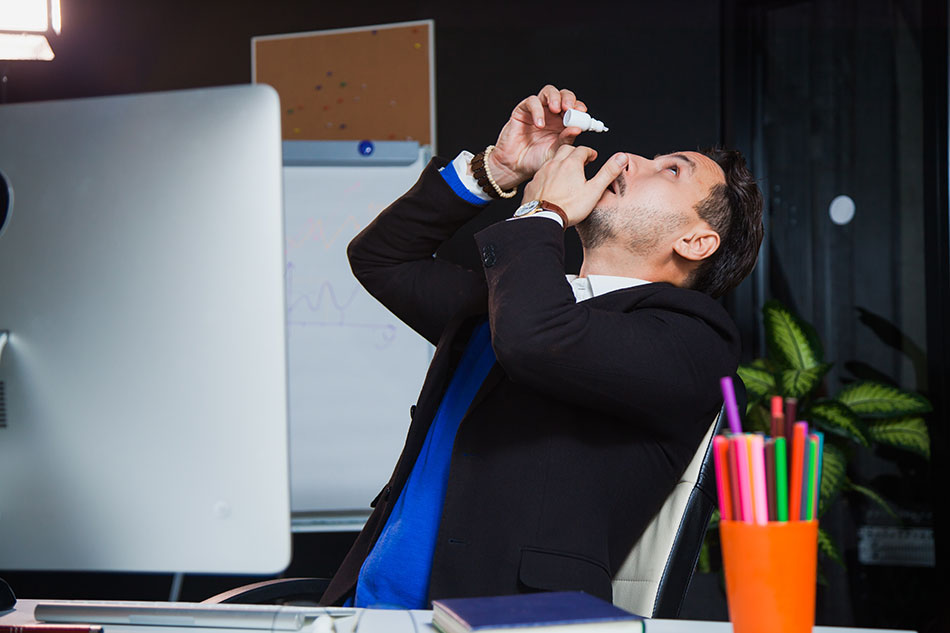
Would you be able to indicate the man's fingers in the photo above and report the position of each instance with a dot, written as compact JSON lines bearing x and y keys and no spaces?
{"x":609,"y":170}
{"x":564,"y":151}
{"x":550,"y":97}
{"x":581,"y":153}
{"x":535,"y":109}
{"x":568,"y":134}
{"x":568,"y":99}
{"x":555,"y":100}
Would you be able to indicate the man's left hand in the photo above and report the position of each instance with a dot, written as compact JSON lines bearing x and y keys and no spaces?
{"x":562,"y":181}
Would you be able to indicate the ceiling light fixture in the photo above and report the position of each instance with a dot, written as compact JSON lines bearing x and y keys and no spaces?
{"x":25,"y":28}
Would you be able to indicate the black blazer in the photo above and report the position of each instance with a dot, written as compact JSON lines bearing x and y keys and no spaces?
{"x":581,"y":429}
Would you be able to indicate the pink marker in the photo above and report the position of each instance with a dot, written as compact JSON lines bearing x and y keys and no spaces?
{"x":745,"y":487}
{"x":758,"y":480}
{"x":725,"y":509}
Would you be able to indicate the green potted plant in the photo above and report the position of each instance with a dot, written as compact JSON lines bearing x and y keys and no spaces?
{"x":863,"y":413}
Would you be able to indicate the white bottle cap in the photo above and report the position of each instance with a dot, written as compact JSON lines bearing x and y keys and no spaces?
{"x":587,"y":123}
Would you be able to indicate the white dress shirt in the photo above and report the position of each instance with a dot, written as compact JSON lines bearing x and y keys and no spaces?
{"x":596,"y":285}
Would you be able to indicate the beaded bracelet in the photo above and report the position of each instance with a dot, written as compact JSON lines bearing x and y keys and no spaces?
{"x":483,"y":176}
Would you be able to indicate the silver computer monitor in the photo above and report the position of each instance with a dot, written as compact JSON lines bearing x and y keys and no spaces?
{"x":143,"y":392}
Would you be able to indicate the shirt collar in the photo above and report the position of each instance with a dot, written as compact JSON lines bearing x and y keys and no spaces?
{"x":596,"y":285}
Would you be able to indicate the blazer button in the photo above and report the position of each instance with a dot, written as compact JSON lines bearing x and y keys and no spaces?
{"x":488,"y":255}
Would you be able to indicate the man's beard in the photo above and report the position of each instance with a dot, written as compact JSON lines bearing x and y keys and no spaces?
{"x":595,"y":229}
{"x":638,"y":229}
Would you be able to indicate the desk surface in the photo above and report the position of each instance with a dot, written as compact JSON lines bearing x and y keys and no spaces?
{"x":384,"y":621}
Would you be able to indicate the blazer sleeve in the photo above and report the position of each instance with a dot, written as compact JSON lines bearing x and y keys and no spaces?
{"x":646,"y":354}
{"x":394,"y":257}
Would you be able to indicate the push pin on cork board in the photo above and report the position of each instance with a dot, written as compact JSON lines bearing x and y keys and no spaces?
{"x":370,"y":82}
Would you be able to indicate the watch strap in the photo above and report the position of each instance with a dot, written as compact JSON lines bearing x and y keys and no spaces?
{"x":550,"y":206}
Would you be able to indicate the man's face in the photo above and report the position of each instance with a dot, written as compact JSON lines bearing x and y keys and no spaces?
{"x":652,"y":200}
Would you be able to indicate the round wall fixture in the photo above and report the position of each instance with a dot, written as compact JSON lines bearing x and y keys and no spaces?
{"x":841,"y":210}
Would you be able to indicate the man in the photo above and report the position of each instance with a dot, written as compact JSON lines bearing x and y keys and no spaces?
{"x":548,"y":434}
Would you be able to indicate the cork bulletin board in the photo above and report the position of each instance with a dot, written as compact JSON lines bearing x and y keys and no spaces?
{"x":374,"y":82}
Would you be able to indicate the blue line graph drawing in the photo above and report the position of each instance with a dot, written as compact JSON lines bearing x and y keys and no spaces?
{"x":324,"y":308}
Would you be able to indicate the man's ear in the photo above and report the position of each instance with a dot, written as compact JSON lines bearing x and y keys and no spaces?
{"x":697,"y":245}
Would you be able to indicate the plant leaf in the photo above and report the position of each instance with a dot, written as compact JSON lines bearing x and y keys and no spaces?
{"x":759,"y":382}
{"x":798,"y":383}
{"x":834,"y":465}
{"x":837,"y":418}
{"x":714,"y":519}
{"x":757,"y":419}
{"x":908,"y":432}
{"x":828,"y":547}
{"x":791,"y":342}
{"x":703,"y":565}
{"x":877,"y":400}
{"x":873,"y":496}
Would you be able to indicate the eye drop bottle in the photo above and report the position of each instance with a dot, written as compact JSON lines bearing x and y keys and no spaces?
{"x":587,"y":123}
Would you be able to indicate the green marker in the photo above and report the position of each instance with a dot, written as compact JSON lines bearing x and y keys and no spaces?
{"x":812,"y":476}
{"x":781,"y":479}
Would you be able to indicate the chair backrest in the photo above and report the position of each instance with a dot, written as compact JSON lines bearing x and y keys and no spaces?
{"x":655,"y":575}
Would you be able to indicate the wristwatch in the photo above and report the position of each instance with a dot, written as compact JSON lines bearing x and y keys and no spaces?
{"x":533,"y":206}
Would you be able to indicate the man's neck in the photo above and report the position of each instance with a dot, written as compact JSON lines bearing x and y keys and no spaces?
{"x":617,"y":261}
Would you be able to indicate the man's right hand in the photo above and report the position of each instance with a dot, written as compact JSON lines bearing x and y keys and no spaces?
{"x":532,"y":135}
{"x":561,"y":181}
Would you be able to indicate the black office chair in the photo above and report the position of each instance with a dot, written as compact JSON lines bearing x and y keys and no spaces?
{"x":652,"y":580}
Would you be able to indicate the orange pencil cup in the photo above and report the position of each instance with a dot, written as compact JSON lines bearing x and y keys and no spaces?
{"x":770,"y":575}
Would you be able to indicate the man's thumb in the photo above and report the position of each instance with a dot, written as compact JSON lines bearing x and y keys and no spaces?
{"x":610,"y":170}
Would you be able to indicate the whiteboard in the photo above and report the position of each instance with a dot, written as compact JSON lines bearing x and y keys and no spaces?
{"x":354,"y":369}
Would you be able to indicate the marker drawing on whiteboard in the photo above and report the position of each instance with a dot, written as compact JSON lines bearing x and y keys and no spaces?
{"x":315,"y":230}
{"x":323,"y":308}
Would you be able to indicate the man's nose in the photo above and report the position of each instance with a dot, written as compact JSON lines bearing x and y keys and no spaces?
{"x":635,"y":162}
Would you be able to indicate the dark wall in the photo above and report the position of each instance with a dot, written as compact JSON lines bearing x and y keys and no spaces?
{"x":650,"y":70}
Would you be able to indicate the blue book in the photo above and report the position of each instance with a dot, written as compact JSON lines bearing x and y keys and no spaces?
{"x":551,"y":612}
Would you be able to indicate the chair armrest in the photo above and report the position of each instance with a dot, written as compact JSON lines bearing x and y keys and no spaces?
{"x":274,"y":591}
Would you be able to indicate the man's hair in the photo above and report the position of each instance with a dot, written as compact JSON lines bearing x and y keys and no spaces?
{"x":734,"y":211}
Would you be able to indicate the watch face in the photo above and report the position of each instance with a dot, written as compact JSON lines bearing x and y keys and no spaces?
{"x":527,"y":207}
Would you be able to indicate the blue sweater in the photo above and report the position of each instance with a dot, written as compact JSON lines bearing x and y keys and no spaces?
{"x":396,"y":572}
